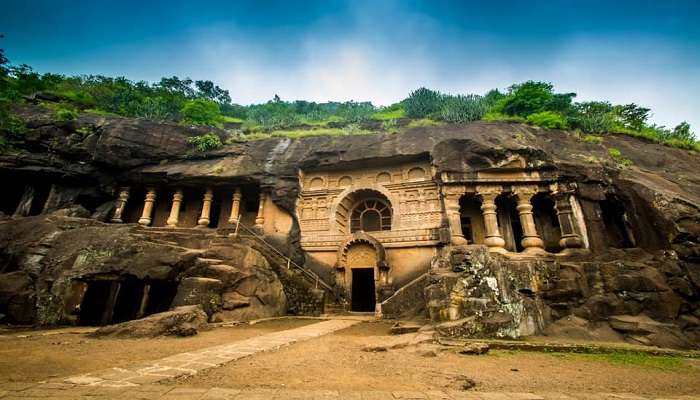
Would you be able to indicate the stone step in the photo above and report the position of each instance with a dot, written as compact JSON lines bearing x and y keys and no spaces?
{"x":210,"y":261}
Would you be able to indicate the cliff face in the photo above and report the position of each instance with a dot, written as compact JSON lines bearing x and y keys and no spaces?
{"x":92,"y":155}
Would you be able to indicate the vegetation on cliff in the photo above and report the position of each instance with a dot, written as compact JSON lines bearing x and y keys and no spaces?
{"x":204,"y":103}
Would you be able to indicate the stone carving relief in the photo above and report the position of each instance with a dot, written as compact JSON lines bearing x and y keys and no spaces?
{"x":361,"y":255}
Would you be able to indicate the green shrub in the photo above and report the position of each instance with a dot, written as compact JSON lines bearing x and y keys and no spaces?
{"x":593,"y":117}
{"x":66,"y":112}
{"x":547,"y":119}
{"x":390,"y":126}
{"x":463,"y":108}
{"x":392,"y":112}
{"x":534,"y":97}
{"x":206,"y":142}
{"x":422,"y":103}
{"x":592,"y":139}
{"x":201,"y":112}
{"x":619,"y":159}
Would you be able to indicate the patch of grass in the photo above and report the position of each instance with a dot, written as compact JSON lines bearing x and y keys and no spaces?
{"x":388,"y":115}
{"x":350,"y":130}
{"x":84,"y":131}
{"x":423,"y":123}
{"x":631,"y":358}
{"x":619,"y":159}
{"x":494,"y":116}
{"x":593,"y":139}
{"x":231,"y":120}
{"x":206,"y":142}
{"x":100,"y":112}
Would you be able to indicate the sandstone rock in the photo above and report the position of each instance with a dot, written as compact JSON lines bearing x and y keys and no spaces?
{"x":17,"y":297}
{"x":233,"y":300}
{"x":181,"y":321}
{"x":475,"y":348}
{"x":203,"y":291}
{"x":75,"y":211}
{"x":401,"y":328}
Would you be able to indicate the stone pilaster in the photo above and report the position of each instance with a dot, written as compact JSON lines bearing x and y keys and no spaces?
{"x":570,"y":239}
{"x":452,"y":195}
{"x":174,"y":216}
{"x":145,"y":219}
{"x":120,"y":205}
{"x":204,"y":217}
{"x":493,"y":239}
{"x":260,"y":218}
{"x":531,"y":240}
{"x":235,"y":206}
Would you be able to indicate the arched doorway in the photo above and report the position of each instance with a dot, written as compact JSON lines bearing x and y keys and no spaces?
{"x":363,"y":271}
{"x":361,"y":261}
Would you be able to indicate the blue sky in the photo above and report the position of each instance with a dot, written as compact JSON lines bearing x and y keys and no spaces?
{"x":640,"y":51}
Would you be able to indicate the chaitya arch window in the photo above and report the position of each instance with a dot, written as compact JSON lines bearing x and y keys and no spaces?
{"x":371,"y":215}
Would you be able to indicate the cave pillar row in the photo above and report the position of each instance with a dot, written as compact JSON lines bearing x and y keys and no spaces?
{"x":532,"y":243}
{"x":570,"y":239}
{"x":494,"y":239}
{"x":235,"y":206}
{"x":120,"y":205}
{"x":174,"y":216}
{"x":204,"y":218}
{"x":145,"y":219}
{"x":260,"y":218}
{"x":452,"y":194}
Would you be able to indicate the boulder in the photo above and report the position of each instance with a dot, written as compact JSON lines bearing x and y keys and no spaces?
{"x":203,"y":291}
{"x":233,"y":300}
{"x":475,"y":348}
{"x":17,"y":297}
{"x":181,"y":321}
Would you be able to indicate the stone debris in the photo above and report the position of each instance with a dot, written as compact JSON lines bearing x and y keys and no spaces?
{"x":475,"y":348}
{"x":401,"y":328}
{"x":181,"y":321}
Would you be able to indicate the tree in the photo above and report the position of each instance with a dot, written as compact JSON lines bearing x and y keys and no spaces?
{"x":632,"y":116}
{"x":534,"y":97}
{"x":201,"y":112}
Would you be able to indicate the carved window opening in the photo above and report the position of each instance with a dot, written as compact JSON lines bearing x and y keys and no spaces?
{"x":371,"y":215}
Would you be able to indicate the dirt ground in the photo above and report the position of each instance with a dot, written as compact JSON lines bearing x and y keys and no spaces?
{"x":45,"y":354}
{"x":338,"y":362}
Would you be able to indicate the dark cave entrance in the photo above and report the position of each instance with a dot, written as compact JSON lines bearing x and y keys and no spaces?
{"x":10,"y":200}
{"x":109,"y":301}
{"x":363,"y":292}
{"x":509,"y":222}
{"x":471,"y":219}
{"x":95,"y":302}
{"x":617,"y":227}
{"x":546,"y":222}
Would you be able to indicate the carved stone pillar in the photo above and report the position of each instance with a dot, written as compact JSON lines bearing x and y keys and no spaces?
{"x":145,"y":219}
{"x":570,"y":239}
{"x":204,"y":218}
{"x":260,"y":218}
{"x":174,"y":216}
{"x":531,"y":240}
{"x":452,"y":196}
{"x":235,"y":206}
{"x":120,"y":205}
{"x":493,"y":239}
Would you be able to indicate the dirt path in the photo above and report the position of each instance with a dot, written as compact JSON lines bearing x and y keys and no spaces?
{"x":338,"y":362}
{"x":41,"y":357}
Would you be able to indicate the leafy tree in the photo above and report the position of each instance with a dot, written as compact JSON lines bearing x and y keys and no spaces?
{"x":632,"y":116}
{"x":533,"y":97}
{"x":593,"y":116}
{"x":201,"y":112}
{"x":682,"y":132}
{"x":423,"y":102}
{"x":208,"y":90}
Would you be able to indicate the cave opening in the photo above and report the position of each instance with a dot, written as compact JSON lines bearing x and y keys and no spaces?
{"x":509,"y":222}
{"x":109,"y":301}
{"x":10,"y":200}
{"x":617,"y":226}
{"x":471,"y":219}
{"x":546,"y":222}
{"x":363,"y":291}
{"x":41,"y":194}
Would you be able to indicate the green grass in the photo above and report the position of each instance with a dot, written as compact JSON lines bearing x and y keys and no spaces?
{"x":423,"y":123}
{"x":619,"y":159}
{"x":349,"y":130}
{"x":231,"y":120}
{"x":593,"y":139}
{"x":500,"y":117}
{"x":389,"y":115}
{"x":631,"y":358}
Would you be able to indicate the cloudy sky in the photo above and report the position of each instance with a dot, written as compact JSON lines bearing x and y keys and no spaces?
{"x":642,"y":51}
